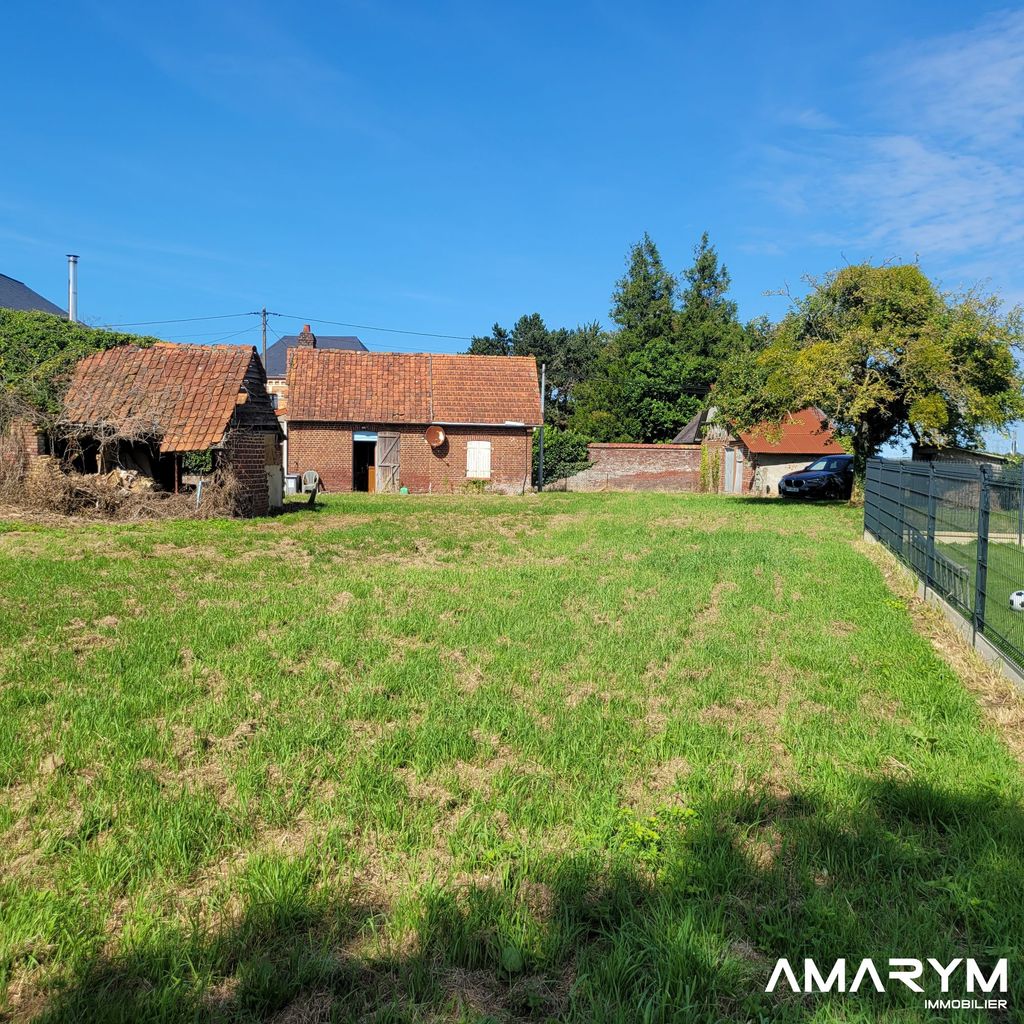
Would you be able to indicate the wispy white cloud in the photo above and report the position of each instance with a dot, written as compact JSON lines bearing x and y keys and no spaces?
{"x":967,"y":87}
{"x":930,"y":165}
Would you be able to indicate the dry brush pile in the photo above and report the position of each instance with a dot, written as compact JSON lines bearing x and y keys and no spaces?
{"x":51,"y":484}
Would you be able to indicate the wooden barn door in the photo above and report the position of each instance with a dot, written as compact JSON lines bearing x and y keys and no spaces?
{"x":388,"y":446}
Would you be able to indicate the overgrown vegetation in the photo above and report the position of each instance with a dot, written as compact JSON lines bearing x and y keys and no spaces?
{"x":582,"y":758}
{"x":38,"y":353}
{"x":710,"y":468}
{"x":565,"y":454}
{"x":48,"y":487}
{"x":197,"y":462}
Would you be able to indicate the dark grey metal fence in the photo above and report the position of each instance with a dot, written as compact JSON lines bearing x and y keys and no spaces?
{"x":960,"y":527}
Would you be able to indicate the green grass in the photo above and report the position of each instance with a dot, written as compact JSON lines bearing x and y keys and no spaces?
{"x":570,"y":757}
{"x":1002,"y":625}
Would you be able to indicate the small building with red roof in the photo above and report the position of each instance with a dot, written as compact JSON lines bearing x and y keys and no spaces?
{"x":429,"y":423}
{"x":151,"y":408}
{"x":753,"y":461}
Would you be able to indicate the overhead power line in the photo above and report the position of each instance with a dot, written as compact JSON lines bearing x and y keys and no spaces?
{"x":368,"y":327}
{"x":292,"y":316}
{"x":183,"y":320}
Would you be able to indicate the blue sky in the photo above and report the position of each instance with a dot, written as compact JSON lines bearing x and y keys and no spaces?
{"x":437,"y":167}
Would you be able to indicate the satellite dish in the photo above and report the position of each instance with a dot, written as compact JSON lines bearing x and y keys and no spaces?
{"x":435,"y":436}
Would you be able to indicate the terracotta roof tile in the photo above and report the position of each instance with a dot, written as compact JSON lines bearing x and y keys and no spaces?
{"x":184,"y":394}
{"x":378,"y":387}
{"x":801,"y":433}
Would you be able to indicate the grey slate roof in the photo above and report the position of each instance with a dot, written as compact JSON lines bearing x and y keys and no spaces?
{"x":277,"y":354}
{"x":15,"y":295}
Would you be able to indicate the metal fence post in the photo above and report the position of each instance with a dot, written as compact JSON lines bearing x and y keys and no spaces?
{"x":981,"y":566}
{"x":930,"y":563}
{"x":903,"y":512}
{"x":1020,"y":506}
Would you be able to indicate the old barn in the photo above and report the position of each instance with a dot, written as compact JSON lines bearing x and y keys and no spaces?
{"x":171,"y":412}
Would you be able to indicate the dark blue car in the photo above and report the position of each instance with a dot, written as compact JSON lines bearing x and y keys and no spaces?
{"x":831,"y":476}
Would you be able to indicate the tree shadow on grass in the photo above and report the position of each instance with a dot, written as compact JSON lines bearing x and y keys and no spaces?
{"x":681,"y":918}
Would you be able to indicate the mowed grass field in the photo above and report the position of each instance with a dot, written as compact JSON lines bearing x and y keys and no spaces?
{"x":561,"y":757}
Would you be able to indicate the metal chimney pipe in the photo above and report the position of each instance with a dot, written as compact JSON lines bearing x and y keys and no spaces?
{"x":72,"y":287}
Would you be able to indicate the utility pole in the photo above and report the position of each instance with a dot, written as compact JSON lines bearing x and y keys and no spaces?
{"x":263,"y":314}
{"x":540,"y":450}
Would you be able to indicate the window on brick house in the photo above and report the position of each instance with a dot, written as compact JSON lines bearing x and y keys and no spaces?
{"x":478,"y":460}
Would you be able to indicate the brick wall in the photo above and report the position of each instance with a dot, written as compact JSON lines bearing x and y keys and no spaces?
{"x":247,"y":454}
{"x":20,"y":444}
{"x":327,"y":448}
{"x":640,"y":467}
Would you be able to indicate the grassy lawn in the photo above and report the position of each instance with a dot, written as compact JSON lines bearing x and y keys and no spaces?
{"x":570,"y":757}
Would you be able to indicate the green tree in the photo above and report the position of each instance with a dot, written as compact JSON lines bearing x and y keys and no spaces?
{"x":569,"y":356}
{"x":885,"y":356}
{"x":641,"y":388}
{"x":575,"y":354}
{"x":709,"y":329}
{"x":644,"y":300}
{"x":497,"y":343}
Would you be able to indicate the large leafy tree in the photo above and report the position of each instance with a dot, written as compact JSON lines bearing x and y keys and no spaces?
{"x":885,"y":356}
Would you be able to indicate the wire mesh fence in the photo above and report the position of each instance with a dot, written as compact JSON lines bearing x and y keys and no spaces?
{"x":960,"y":527}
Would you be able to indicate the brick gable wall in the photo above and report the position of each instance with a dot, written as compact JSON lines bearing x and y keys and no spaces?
{"x":327,"y":448}
{"x":248,"y":453}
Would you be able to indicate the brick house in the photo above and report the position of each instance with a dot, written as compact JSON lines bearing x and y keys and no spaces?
{"x":149,"y":408}
{"x":430,"y":423}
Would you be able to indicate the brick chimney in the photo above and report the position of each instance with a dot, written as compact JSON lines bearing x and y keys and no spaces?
{"x":307,"y":339}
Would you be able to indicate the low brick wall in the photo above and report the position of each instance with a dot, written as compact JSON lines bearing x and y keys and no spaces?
{"x":639,"y":467}
{"x":327,"y":448}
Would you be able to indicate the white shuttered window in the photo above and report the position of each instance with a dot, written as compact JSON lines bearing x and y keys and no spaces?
{"x":478,"y":460}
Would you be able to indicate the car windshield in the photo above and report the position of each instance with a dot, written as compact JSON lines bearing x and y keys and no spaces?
{"x":820,"y":464}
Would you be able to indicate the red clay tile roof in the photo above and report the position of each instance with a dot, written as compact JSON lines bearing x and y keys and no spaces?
{"x":185,"y":395}
{"x":377,"y":387}
{"x":801,"y":433}
{"x":486,"y":389}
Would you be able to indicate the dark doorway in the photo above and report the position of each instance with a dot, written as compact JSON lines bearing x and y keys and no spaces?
{"x":364,"y":459}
